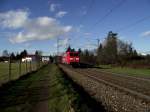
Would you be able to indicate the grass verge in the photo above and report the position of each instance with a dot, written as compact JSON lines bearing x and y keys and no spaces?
{"x":49,"y":85}
{"x":125,"y":70}
{"x":4,"y":70}
{"x":73,"y":97}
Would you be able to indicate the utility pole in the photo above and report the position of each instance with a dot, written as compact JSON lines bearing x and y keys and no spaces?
{"x":9,"y":67}
{"x":98,"y":41}
{"x":68,"y":43}
{"x":57,"y":46}
{"x":57,"y":57}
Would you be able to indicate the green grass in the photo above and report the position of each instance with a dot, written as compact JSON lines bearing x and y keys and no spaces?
{"x":17,"y":97}
{"x":22,"y":95}
{"x":69,"y":94}
{"x":4,"y":70}
{"x":126,"y":70}
{"x":62,"y":94}
{"x":59,"y":99}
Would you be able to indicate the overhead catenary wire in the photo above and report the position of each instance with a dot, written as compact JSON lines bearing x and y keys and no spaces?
{"x":126,"y":27}
{"x":88,"y":10}
{"x":91,"y":2}
{"x":106,"y":15}
{"x":110,"y":11}
{"x":133,"y":24}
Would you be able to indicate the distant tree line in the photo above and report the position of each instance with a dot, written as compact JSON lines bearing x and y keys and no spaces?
{"x":115,"y":52}
{"x":6,"y":55}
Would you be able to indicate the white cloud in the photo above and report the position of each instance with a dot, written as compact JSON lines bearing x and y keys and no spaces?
{"x":53,"y":7}
{"x":39,"y":28}
{"x":13,"y":19}
{"x":61,"y":14}
{"x":90,"y":46}
{"x":146,"y":34}
{"x":87,"y":34}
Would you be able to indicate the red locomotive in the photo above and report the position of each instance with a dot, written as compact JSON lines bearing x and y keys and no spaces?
{"x":70,"y":57}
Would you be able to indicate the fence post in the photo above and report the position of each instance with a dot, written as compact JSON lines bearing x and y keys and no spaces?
{"x":30,"y":66}
{"x":39,"y":63}
{"x":36,"y":65}
{"x":19,"y":67}
{"x":26,"y":67}
{"x":9,"y":68}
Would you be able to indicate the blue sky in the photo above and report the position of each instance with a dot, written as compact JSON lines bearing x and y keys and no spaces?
{"x":36,"y":24}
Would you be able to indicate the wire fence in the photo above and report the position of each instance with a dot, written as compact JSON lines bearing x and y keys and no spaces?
{"x":12,"y":70}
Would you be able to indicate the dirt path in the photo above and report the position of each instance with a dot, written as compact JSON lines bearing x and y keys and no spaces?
{"x":30,"y":93}
{"x":41,"y":107}
{"x":43,"y":93}
{"x":49,"y":89}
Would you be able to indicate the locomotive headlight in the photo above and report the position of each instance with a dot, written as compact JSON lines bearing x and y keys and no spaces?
{"x":77,"y":58}
{"x":71,"y":58}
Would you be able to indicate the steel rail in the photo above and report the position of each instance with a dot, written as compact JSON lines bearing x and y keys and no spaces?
{"x":124,"y":89}
{"x":123,"y":75}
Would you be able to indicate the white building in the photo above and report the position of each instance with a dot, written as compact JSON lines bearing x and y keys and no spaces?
{"x":29,"y":58}
{"x":45,"y":58}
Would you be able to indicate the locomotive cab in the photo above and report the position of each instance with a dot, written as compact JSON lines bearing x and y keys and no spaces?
{"x":71,"y":58}
{"x":74,"y":57}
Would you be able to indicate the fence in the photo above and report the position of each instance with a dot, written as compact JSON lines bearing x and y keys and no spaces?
{"x":12,"y":70}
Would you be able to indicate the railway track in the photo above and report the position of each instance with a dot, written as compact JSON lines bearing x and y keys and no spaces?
{"x":116,"y":92}
{"x":138,"y":87}
{"x":122,"y":75}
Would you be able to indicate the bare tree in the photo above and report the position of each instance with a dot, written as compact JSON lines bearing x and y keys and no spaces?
{"x":5,"y":53}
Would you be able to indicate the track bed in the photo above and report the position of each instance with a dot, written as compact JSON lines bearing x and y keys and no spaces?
{"x":119,"y":92}
{"x":136,"y":84}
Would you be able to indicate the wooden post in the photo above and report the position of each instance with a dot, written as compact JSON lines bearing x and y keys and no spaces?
{"x":19,"y":67}
{"x":9,"y":68}
{"x":39,"y":64}
{"x":30,"y":67}
{"x":26,"y":67}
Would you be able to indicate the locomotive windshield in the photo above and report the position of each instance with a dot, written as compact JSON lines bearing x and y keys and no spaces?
{"x":73,"y":54}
